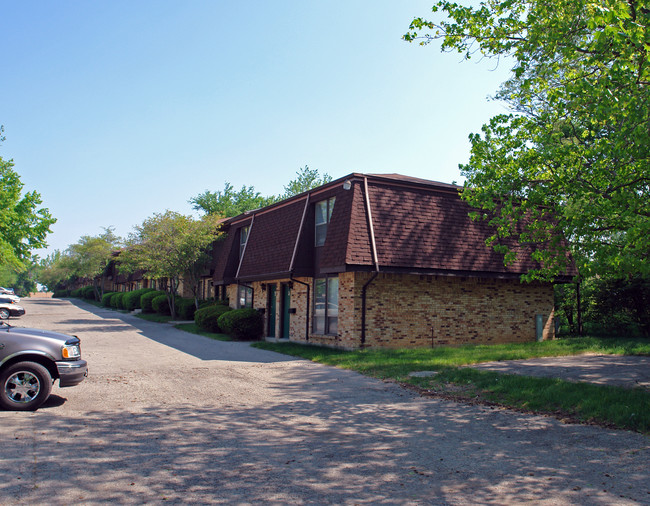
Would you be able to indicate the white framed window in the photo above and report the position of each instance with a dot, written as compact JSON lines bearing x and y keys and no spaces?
{"x":326,"y":306}
{"x":244,"y":296}
{"x":243,"y":237}
{"x":324,"y":210}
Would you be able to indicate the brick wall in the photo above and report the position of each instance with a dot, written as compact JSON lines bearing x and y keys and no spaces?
{"x":416,"y":311}
{"x":409,"y":310}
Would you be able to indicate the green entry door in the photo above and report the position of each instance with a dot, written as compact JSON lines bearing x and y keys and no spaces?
{"x":285,"y":316}
{"x":270,"y":308}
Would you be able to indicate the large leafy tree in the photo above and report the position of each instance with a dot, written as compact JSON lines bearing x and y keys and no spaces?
{"x":23,"y":225}
{"x":230,"y":202}
{"x":573,"y":157}
{"x":306,"y":179}
{"x":90,"y":256}
{"x":167,"y":246}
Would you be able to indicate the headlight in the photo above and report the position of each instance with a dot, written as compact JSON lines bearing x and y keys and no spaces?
{"x":71,"y":351}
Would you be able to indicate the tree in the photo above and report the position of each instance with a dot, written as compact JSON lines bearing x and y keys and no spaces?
{"x":230,"y":202}
{"x":55,"y":271}
{"x":23,"y":227}
{"x":90,"y":256}
{"x":307,"y":179}
{"x":573,"y":158}
{"x":166,"y":246}
{"x":22,"y":282}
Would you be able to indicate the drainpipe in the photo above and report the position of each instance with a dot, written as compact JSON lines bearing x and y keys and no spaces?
{"x":373,"y":247}
{"x":293,"y":259}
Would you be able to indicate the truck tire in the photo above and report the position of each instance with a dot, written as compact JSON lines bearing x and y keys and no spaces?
{"x":24,"y":386}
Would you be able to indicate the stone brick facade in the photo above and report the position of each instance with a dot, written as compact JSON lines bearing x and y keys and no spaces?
{"x":417,"y":311}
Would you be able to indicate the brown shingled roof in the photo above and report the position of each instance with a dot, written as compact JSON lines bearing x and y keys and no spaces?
{"x":419,"y":225}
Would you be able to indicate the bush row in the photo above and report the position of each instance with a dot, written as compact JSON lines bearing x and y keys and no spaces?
{"x":241,"y":324}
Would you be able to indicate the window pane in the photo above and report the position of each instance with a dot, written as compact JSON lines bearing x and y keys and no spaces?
{"x":332,"y":325}
{"x":321,"y":234}
{"x":321,"y":212}
{"x":332,"y":296}
{"x":319,"y":324}
{"x":330,"y":208}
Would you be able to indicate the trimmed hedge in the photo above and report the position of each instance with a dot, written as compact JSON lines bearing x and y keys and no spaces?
{"x":160,"y":304}
{"x":59,"y":294}
{"x":88,"y":292}
{"x":145,"y":300}
{"x":76,"y":293}
{"x":242,"y":324}
{"x":106,"y":299}
{"x":116,"y":300}
{"x":207,"y":318}
{"x":185,"y":308}
{"x":132,"y":299}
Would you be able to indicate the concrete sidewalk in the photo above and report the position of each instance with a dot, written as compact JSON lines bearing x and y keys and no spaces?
{"x":625,"y":371}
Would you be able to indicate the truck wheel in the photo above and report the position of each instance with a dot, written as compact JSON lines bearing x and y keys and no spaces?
{"x":24,"y":386}
{"x":4,"y":314}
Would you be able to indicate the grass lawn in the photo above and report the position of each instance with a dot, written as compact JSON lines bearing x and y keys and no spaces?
{"x":155,"y":317}
{"x":194,"y":329}
{"x":604,"y":405}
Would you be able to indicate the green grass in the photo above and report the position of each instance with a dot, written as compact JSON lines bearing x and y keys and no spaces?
{"x":154,"y":317}
{"x":610,"y":406}
{"x":194,"y":329}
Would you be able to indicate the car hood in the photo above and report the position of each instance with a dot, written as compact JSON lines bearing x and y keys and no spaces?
{"x":38,"y":333}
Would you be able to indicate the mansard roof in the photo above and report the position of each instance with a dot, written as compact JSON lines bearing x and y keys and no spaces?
{"x":420,"y":226}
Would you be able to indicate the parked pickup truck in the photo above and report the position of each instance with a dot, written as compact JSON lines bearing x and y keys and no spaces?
{"x":31,"y":360}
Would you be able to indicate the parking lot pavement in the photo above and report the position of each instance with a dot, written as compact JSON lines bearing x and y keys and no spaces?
{"x":625,"y":371}
{"x":172,"y":417}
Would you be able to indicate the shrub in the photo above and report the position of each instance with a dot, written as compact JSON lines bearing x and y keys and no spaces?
{"x":207,"y":318}
{"x":88,"y":292}
{"x":106,"y":299}
{"x":242,"y":324}
{"x":160,"y":304}
{"x":185,"y":308}
{"x":132,"y":299}
{"x":59,"y":294}
{"x":145,"y":300}
{"x":76,"y":292}
{"x":116,"y":300}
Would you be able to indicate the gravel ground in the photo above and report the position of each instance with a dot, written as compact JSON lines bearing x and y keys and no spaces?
{"x":624,"y":371}
{"x":171,"y":417}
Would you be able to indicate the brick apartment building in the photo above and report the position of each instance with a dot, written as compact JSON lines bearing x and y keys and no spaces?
{"x":379,"y":260}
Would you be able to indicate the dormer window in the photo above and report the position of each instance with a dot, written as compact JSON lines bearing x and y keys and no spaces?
{"x":324,"y":210}
{"x":243,"y":237}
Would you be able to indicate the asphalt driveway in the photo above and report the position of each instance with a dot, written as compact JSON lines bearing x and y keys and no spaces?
{"x":171,"y":417}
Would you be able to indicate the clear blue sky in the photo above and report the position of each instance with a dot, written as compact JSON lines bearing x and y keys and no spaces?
{"x":116,"y":110}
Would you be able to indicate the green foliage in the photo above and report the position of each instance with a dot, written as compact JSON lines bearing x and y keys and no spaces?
{"x":207,"y":318}
{"x":573,"y":159}
{"x":306,"y":180}
{"x":86,"y":259}
{"x":60,"y":294}
{"x":146,"y":298}
{"x":185,"y":308}
{"x":116,"y":300}
{"x":88,"y":292}
{"x":106,"y":299}
{"x":230,"y":202}
{"x":132,"y":299}
{"x":160,"y":304}
{"x":77,"y":292}
{"x":168,"y":246}
{"x":23,"y":226}
{"x":242,"y":324}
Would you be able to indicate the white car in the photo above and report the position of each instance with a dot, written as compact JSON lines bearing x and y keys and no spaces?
{"x":7,"y":290}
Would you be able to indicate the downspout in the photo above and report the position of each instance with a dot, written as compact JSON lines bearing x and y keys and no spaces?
{"x":373,"y":247}
{"x":293,"y":259}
